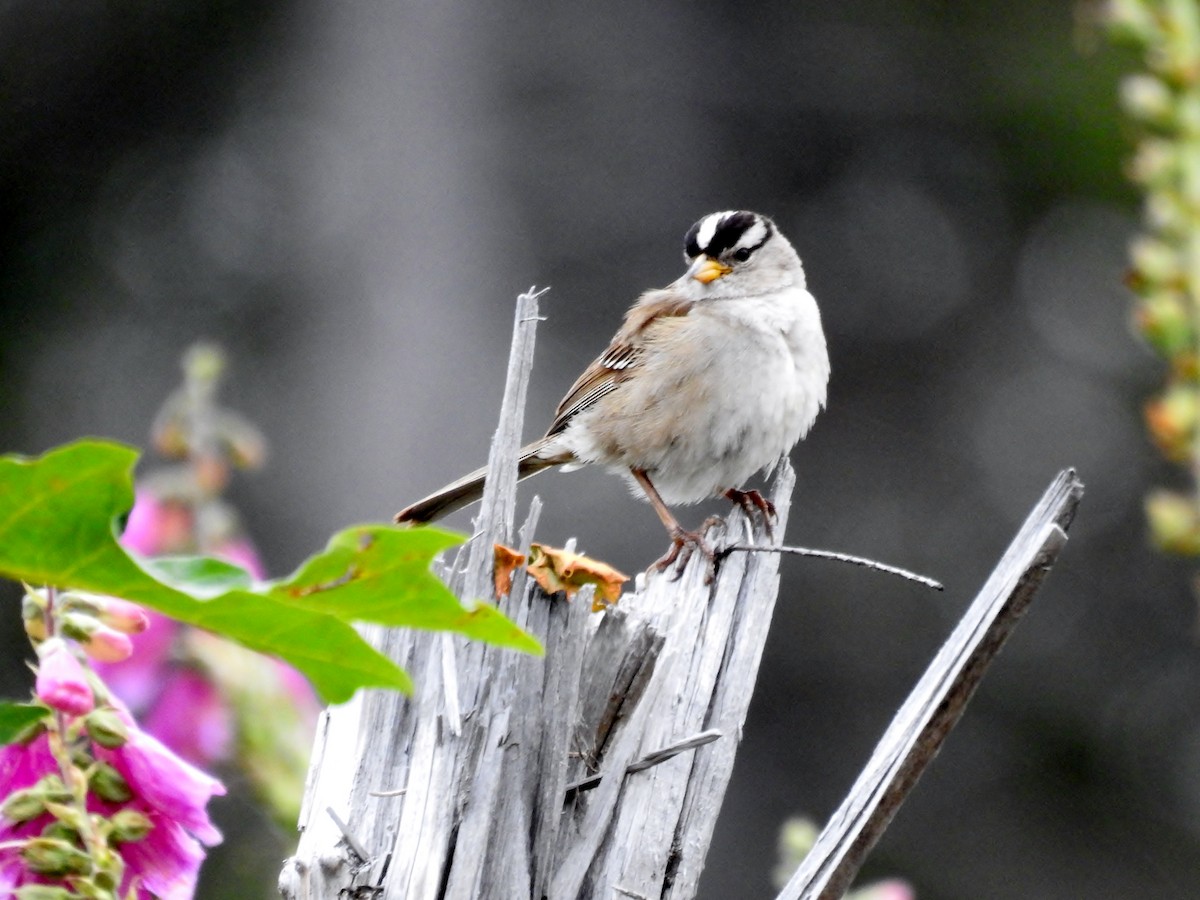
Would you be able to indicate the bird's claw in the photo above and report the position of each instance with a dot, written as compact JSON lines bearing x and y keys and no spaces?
{"x":683,"y":545}
{"x":755,"y":505}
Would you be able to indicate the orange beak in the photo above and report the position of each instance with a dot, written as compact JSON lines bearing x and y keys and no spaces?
{"x":706,"y":270}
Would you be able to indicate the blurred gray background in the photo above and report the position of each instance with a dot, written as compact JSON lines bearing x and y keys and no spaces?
{"x":348,"y":196}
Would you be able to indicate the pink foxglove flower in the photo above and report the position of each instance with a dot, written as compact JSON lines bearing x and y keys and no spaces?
{"x":21,"y":766}
{"x":167,"y":861}
{"x":61,"y":682}
{"x":166,"y":791}
{"x":163,"y":783}
{"x":155,"y":526}
{"x":191,"y":718}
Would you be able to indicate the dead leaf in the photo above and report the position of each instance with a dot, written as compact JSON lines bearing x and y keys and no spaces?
{"x":506,"y":562}
{"x":557,"y":570}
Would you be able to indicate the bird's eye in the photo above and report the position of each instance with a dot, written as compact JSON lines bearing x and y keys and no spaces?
{"x":741,"y":255}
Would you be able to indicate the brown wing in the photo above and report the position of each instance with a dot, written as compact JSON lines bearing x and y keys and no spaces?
{"x":622,"y":356}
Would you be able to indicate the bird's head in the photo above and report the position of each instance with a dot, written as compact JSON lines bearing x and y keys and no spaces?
{"x":738,"y":254}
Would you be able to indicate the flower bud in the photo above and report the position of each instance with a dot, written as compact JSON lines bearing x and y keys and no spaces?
{"x":169,"y":433}
{"x":52,"y":788}
{"x":23,"y":805}
{"x":1167,"y":214}
{"x":129,"y":825}
{"x":106,"y":783}
{"x":1155,"y":261}
{"x":1155,"y":163}
{"x":70,"y":816}
{"x":44,"y":892}
{"x":33,"y":613}
{"x":1174,"y":522}
{"x":54,"y":856}
{"x":1186,"y":366}
{"x":97,"y":639}
{"x":1171,"y":419}
{"x":108,"y":645}
{"x":61,"y":681}
{"x":124,"y":616}
{"x":60,"y":831}
{"x":1147,"y":99}
{"x":1130,"y":22}
{"x":106,"y":728}
{"x":798,"y":836}
{"x":1162,"y":319}
{"x":81,"y":755}
{"x":243,"y":444}
{"x":204,"y":363}
{"x":107,"y":869}
{"x":106,"y":882}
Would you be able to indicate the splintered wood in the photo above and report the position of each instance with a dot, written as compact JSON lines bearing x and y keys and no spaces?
{"x":601,"y":764}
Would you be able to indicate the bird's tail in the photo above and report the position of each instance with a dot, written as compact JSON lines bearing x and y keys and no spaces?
{"x":469,"y":488}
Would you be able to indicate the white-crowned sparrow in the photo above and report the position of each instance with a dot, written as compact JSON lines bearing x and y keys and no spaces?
{"x":708,"y":381}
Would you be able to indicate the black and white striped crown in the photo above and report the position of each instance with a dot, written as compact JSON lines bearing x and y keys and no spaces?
{"x":735,"y":231}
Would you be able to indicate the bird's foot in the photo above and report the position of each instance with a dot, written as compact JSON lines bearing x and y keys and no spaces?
{"x":683,"y":545}
{"x":755,"y":505}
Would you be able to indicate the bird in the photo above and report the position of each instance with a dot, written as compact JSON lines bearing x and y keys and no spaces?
{"x":707,"y":382}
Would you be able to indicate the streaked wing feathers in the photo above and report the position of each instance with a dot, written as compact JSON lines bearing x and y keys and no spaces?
{"x":622,"y":357}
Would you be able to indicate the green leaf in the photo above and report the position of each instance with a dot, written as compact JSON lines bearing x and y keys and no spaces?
{"x":201,"y":576}
{"x":57,"y":517}
{"x":378,"y":573}
{"x":17,"y":718}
